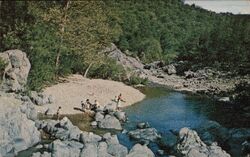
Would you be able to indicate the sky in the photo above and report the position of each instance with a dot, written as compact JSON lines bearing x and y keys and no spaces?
{"x":232,"y":6}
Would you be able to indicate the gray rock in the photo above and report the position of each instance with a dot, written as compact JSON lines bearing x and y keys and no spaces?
{"x":25,"y":98}
{"x":29,"y":109}
{"x":169,"y":69}
{"x":190,"y":145}
{"x":39,"y":146}
{"x":51,"y":99}
{"x":99,"y":116}
{"x":16,"y":71}
{"x":65,"y":148}
{"x":129,"y":63}
{"x":110,"y":122}
{"x":110,"y":107}
{"x":140,"y":151}
{"x":110,"y":139}
{"x":121,"y":116}
{"x":17,"y":132}
{"x":102,"y":150}
{"x":90,"y":150}
{"x":117,"y":150}
{"x":39,"y":98}
{"x":148,"y":134}
{"x":89,"y":137}
{"x":114,"y":147}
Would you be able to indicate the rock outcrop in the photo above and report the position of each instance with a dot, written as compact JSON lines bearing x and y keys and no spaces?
{"x":16,"y":72}
{"x":140,"y":151}
{"x":40,"y":98}
{"x":190,"y":145}
{"x":17,"y":132}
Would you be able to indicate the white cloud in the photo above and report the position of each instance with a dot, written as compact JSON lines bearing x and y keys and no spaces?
{"x":233,"y":6}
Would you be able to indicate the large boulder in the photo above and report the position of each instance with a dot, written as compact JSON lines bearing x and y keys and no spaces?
{"x":140,"y":151}
{"x":16,"y":71}
{"x":114,"y":147}
{"x":121,"y":116}
{"x":190,"y":145}
{"x":110,"y":122}
{"x":17,"y":132}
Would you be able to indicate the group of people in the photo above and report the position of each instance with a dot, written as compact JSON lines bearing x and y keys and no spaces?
{"x":87,"y":105}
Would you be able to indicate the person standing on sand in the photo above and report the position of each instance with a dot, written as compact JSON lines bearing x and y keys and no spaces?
{"x":119,"y":99}
{"x":88,"y":104}
{"x":58,"y":112}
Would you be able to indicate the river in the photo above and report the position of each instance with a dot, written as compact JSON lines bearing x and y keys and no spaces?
{"x":167,"y":110}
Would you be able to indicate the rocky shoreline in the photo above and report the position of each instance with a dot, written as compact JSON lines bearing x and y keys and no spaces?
{"x":69,"y":140}
{"x":179,"y":76}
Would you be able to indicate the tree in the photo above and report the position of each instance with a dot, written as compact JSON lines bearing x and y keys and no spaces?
{"x":83,"y":29}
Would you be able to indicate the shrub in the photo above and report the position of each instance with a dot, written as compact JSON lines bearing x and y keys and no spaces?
{"x":135,"y":80}
{"x":2,"y":67}
{"x":242,"y":91}
{"x":109,"y":69}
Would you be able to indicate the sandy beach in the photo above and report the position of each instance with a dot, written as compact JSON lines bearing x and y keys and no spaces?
{"x":76,"y":88}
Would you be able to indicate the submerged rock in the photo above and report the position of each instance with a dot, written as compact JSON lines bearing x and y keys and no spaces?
{"x":148,"y":134}
{"x":143,"y":125}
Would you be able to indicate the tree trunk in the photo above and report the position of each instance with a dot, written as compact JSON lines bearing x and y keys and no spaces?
{"x":64,"y":18}
{"x":87,"y":70}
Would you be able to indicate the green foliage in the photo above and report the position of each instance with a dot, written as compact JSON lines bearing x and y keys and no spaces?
{"x":108,"y":70}
{"x":135,"y":80}
{"x":170,"y":30}
{"x":2,"y":67}
{"x":64,"y":37}
{"x":242,"y":91}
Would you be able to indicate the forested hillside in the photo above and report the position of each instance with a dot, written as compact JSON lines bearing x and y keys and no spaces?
{"x":171,"y":30}
{"x":63,"y":37}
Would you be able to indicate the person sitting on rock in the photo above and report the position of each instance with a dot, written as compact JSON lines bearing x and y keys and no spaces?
{"x":84,"y":106}
{"x":95,"y":105}
{"x":58,"y":112}
{"x":119,"y":99}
